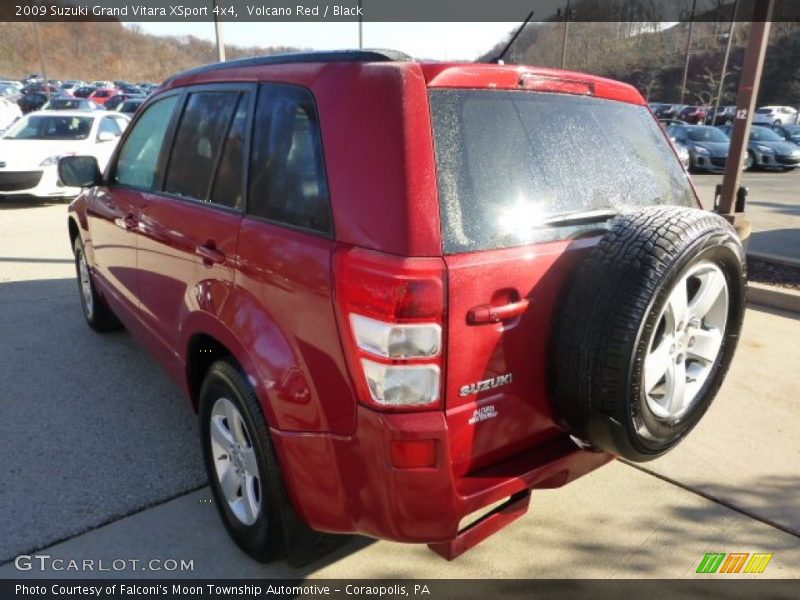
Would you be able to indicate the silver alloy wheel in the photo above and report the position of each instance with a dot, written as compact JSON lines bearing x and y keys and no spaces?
{"x":235,"y":461}
{"x":86,"y":285}
{"x":686,"y":341}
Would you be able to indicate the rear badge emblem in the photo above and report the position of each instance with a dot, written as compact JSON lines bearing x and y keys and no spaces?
{"x":486,"y":384}
{"x":482,"y":414}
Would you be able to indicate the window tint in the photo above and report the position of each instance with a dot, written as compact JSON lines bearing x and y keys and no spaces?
{"x":287,"y":173}
{"x":138,"y":159}
{"x":198,"y":142}
{"x":227,"y":189}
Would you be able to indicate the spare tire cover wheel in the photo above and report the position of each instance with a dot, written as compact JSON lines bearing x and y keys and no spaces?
{"x":648,"y":330}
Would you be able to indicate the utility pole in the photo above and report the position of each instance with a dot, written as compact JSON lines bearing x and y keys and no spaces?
{"x":360,"y":28}
{"x":566,"y":33}
{"x":729,"y":206}
{"x":725,"y":62}
{"x":41,"y":59}
{"x":688,"y":50}
{"x":219,"y":35}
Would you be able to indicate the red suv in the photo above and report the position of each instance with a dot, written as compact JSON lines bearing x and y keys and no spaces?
{"x":399,"y":292}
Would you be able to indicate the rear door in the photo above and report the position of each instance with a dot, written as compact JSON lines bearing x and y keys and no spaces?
{"x":189,"y":232}
{"x":527,"y":183}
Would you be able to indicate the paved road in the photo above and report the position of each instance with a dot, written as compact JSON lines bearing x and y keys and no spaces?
{"x":101,"y":460}
{"x":773,"y":207}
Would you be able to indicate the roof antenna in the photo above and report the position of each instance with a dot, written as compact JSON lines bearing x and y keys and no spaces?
{"x":499,"y":58}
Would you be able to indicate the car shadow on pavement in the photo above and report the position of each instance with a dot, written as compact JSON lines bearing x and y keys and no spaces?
{"x":780,"y":242}
{"x":786,"y":209}
{"x":9,"y":202}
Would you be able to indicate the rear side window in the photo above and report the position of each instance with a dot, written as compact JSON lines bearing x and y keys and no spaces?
{"x":137,"y":165}
{"x":287,"y":173}
{"x":510,"y":163}
{"x":229,"y":182}
{"x":198,"y":142}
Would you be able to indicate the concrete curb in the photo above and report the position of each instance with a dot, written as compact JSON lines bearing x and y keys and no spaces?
{"x":775,"y":258}
{"x":773,"y":297}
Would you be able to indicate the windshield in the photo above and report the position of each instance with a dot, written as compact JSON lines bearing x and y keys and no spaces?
{"x":56,"y":127}
{"x":706,"y":134}
{"x":759,"y":134}
{"x":508,"y":162}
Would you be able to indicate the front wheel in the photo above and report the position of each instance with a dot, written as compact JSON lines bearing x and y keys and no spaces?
{"x":241,"y":465}
{"x":749,"y":161}
{"x":98,"y":315}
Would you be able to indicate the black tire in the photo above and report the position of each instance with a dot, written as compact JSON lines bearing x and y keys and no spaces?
{"x":612,"y":311}
{"x":262,"y":540}
{"x":97,"y":313}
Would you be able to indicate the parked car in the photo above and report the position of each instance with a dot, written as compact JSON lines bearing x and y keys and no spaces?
{"x":790,"y":133}
{"x":102,"y":95}
{"x":775,"y":115}
{"x":669,"y":111}
{"x":670,"y":122}
{"x":101,"y":84}
{"x":30,"y":149}
{"x":723,"y":116}
{"x":767,"y":150}
{"x":71,"y":103}
{"x":84,"y":91}
{"x":708,"y":146}
{"x":32,"y":101}
{"x":132,"y":90}
{"x":9,"y":113}
{"x":69,"y":87}
{"x":10,"y":93}
{"x":693,"y":114}
{"x":441,"y":312}
{"x":129,"y":107}
{"x":114,"y":101}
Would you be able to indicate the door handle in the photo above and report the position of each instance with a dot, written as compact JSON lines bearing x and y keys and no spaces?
{"x":128,"y":222}
{"x":209,"y":254}
{"x":486,"y":313}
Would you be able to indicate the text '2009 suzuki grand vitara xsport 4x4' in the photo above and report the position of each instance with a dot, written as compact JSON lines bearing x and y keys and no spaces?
{"x":400,"y":292}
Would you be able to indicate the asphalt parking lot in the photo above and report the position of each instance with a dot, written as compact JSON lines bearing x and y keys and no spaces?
{"x":101,"y":457}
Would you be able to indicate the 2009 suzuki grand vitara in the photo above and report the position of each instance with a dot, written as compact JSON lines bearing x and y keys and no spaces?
{"x":399,"y":292}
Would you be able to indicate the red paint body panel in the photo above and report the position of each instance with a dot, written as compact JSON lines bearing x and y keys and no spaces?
{"x":278,"y":302}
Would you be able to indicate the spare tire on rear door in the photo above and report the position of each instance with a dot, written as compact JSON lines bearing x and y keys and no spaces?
{"x":648,"y":330}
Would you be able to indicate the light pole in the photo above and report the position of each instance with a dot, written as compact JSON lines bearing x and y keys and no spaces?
{"x":566,"y":33}
{"x":41,"y":58}
{"x":219,"y":34}
{"x":725,"y":62}
{"x":688,"y":50}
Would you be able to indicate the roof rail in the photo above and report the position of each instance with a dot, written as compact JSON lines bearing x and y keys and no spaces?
{"x":376,"y":55}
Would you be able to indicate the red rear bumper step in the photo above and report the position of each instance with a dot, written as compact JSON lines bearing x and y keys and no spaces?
{"x":492,"y":522}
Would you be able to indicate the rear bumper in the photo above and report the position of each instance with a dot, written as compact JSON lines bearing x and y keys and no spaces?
{"x":349,"y":485}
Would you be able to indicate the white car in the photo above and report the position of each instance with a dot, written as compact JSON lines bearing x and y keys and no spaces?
{"x":30,"y":149}
{"x":775,"y":115}
{"x":9,"y":112}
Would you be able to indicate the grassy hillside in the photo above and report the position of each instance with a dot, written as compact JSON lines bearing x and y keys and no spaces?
{"x":104,"y":51}
{"x":652,"y":59}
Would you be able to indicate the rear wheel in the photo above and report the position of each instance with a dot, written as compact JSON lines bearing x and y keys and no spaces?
{"x":241,"y":465}
{"x":648,"y":330}
{"x":98,"y":315}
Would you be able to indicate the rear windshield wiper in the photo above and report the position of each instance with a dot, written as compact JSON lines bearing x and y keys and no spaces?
{"x":576,"y":218}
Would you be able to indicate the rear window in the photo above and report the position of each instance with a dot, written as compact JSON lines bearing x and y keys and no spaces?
{"x":511,"y":162}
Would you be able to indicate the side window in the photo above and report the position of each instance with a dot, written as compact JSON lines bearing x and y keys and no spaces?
{"x":227,"y":189}
{"x":109,"y":125}
{"x":137,"y":165}
{"x":198,"y":142}
{"x":287,"y":172}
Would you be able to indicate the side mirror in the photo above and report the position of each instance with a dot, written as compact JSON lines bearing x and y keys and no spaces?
{"x":79,"y":171}
{"x":106,"y":136}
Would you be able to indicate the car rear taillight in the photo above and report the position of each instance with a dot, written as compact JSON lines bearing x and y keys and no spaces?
{"x":391,"y":316}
